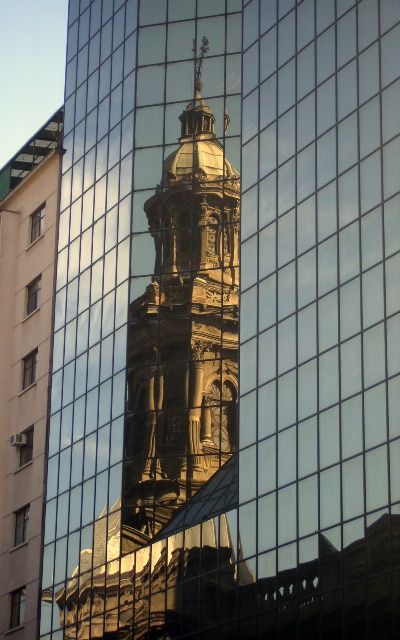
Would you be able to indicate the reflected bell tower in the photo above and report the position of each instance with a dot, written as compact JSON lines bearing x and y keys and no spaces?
{"x":181,"y":421}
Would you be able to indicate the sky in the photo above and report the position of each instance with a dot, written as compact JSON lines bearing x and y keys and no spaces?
{"x":33,"y":36}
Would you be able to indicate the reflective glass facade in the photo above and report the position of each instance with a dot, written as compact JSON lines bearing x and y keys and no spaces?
{"x":145,"y":374}
{"x":297,"y":536}
{"x":319,"y":315}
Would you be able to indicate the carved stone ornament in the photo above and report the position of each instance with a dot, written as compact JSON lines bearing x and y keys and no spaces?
{"x":213,"y":297}
{"x":153,"y":292}
{"x":199,"y":348}
{"x":236,"y":215}
{"x":97,"y":606}
{"x":203,"y":210}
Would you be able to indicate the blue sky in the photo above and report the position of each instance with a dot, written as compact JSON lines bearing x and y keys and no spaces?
{"x":32,"y":59}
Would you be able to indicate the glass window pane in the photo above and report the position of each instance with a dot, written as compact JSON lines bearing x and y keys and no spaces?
{"x":374,"y":355}
{"x":286,"y":238}
{"x":286,"y":290}
{"x":390,"y":54}
{"x":375,"y":415}
{"x":267,"y":102}
{"x":326,"y":211}
{"x":306,"y":278}
{"x":328,"y":378}
{"x":286,"y":456}
{"x":376,"y":472}
{"x":307,"y":447}
{"x":369,"y":73}
{"x":346,"y":43}
{"x":267,"y":243}
{"x":328,"y":321}
{"x":370,"y":182}
{"x":347,"y":90}
{"x":305,"y":121}
{"x":327,"y":270}
{"x":307,"y":389}
{"x":286,"y":344}
{"x":287,"y":514}
{"x":308,"y":506}
{"x":286,"y":399}
{"x":307,"y":333}
{"x":347,"y":142}
{"x":372,"y":283}
{"x":329,"y":497}
{"x":393,"y":344}
{"x":266,"y":356}
{"x":349,"y":252}
{"x":267,"y":302}
{"x":370,"y":127}
{"x":352,"y":426}
{"x":350,"y":309}
{"x":306,"y":225}
{"x":350,"y":361}
{"x":353,"y":490}
{"x":325,"y":54}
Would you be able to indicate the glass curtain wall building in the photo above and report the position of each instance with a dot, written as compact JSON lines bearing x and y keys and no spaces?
{"x":145,"y":374}
{"x":161,"y":520}
{"x":319,"y":421}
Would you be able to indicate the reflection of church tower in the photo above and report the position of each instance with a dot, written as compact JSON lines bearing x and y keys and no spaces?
{"x":183,"y":338}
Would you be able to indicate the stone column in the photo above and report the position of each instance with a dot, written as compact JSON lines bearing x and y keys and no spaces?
{"x":160,"y":398}
{"x":150,"y":423}
{"x":196,"y":395}
{"x":183,"y":459}
{"x":235,"y":242}
{"x":206,"y":424}
{"x":186,"y":383}
{"x":159,"y":402}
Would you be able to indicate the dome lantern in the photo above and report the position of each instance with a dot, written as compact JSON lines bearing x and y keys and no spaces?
{"x":197,"y":120}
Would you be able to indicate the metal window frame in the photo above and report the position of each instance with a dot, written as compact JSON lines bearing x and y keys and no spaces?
{"x":17,"y":607}
{"x":37,"y":222}
{"x":21,"y":525}
{"x":33,"y":290}
{"x":29,"y":364}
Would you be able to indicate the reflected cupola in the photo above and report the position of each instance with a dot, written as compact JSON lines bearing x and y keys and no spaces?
{"x":194,"y":213}
{"x":197,"y":120}
{"x":200,"y":157}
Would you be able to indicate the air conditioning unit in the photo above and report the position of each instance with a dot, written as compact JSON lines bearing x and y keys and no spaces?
{"x":18,"y":439}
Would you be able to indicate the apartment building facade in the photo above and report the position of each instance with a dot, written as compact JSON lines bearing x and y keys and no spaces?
{"x":28,"y":217}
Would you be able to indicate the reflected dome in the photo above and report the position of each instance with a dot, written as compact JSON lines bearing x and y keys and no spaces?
{"x":200,"y":157}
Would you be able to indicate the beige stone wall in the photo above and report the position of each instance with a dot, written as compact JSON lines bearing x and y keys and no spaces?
{"x":19,"y":265}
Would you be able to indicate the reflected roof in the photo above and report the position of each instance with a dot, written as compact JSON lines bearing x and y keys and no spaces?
{"x":48,"y":138}
{"x":220,"y":494}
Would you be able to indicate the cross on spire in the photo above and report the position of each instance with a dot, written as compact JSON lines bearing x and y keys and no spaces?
{"x":204,"y":48}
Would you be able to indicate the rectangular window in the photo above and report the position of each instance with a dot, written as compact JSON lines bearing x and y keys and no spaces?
{"x":26,"y":452}
{"x":21,"y":525}
{"x":37,"y":222}
{"x":33,"y":295}
{"x":17,"y":613}
{"x":29,"y":369}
